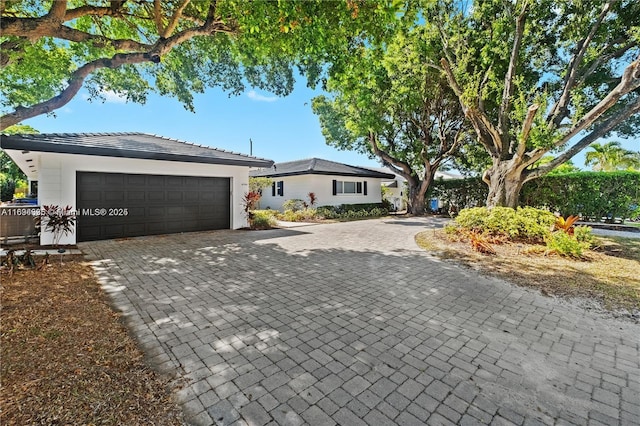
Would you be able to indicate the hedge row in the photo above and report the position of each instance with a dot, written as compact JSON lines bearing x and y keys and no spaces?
{"x":594,"y":195}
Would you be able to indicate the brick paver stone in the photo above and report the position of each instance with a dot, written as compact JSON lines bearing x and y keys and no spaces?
{"x":352,"y":323}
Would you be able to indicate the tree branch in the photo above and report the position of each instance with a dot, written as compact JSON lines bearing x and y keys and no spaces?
{"x":601,"y":130}
{"x":173,"y":23}
{"x":488,"y":135}
{"x":57,"y":11}
{"x":77,"y":78}
{"x":526,"y":128}
{"x":157,"y":17}
{"x":629,"y":81}
{"x":560,"y":109}
{"x":400,"y":167}
{"x":605,"y":58}
{"x":507,"y":92}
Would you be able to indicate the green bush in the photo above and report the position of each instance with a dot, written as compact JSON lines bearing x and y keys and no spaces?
{"x":583,"y":234}
{"x":262,"y":219}
{"x":564,"y":244}
{"x":352,"y":211}
{"x":7,"y":188}
{"x":594,"y":195}
{"x":534,"y":223}
{"x":298,"y":215}
{"x":293,"y":205}
{"x":524,"y":223}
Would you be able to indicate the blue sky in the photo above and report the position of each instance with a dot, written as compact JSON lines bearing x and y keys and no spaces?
{"x":282,"y":129}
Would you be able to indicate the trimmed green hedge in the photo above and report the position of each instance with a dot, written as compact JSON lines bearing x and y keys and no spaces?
{"x":595,"y":195}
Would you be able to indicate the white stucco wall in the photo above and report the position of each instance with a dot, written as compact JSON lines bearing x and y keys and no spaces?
{"x":57,"y":180}
{"x":298,"y":187}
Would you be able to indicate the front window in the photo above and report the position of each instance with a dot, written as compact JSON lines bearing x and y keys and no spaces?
{"x":346,"y":187}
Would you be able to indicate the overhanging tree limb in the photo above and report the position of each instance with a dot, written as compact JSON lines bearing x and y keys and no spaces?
{"x":507,"y":92}
{"x":629,"y":81}
{"x":74,"y":83}
{"x":560,"y":109}
{"x":601,"y":130}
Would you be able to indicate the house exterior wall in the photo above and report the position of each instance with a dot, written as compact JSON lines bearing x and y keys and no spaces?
{"x":57,"y":180}
{"x":298,"y":187}
{"x":397,"y":195}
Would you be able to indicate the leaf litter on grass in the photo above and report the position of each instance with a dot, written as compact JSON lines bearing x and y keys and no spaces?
{"x":68,"y":359}
{"x":608,"y":274}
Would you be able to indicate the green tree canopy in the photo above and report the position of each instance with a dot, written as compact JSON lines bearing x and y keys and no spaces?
{"x":611,"y":156}
{"x":537,"y":77}
{"x":51,"y":49}
{"x":9,"y":170}
{"x":388,"y":103}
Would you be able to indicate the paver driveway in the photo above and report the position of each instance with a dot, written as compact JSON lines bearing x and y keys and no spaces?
{"x":351,"y":323}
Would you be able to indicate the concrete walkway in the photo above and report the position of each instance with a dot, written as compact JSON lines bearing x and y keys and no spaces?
{"x":352,"y":324}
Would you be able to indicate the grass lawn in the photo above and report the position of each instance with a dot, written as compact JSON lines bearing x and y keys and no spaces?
{"x":68,"y":359}
{"x":609,"y":273}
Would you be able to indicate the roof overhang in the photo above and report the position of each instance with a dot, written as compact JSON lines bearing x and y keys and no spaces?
{"x":7,"y":143}
{"x":302,"y":173}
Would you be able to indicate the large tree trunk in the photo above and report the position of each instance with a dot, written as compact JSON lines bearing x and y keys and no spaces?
{"x":505,"y":182}
{"x":415,"y":205}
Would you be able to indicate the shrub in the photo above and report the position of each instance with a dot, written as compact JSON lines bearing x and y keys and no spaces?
{"x":524,"y":223}
{"x":7,"y":188}
{"x":262,"y":219}
{"x":563,"y":244}
{"x":583,"y":234}
{"x":298,"y":215}
{"x":534,"y":224}
{"x":592,"y":194}
{"x":352,"y":211}
{"x":293,"y":205}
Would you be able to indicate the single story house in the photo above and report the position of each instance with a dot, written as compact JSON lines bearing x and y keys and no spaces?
{"x":332,"y":183}
{"x":134,"y":184}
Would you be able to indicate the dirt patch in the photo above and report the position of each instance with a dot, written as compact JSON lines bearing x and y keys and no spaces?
{"x":68,"y":359}
{"x":607,"y":275}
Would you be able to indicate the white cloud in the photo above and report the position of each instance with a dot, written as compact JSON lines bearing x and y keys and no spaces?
{"x":113,"y":97}
{"x":260,"y":98}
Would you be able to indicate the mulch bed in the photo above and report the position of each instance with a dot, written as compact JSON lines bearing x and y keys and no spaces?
{"x":607,"y":274}
{"x":68,"y":359}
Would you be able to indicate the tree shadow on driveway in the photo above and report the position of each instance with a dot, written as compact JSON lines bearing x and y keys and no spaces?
{"x":263,"y":326}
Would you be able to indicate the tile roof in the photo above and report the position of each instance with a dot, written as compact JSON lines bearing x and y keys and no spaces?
{"x":317,"y":166}
{"x":128,"y":145}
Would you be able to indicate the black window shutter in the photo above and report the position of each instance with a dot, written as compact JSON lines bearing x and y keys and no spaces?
{"x":281,"y":188}
{"x":365,"y":187}
{"x":335,"y":187}
{"x":358,"y":187}
{"x":273,"y":189}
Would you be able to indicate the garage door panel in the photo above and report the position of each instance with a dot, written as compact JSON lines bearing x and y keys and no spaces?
{"x":89,"y":196}
{"x":174,"y":196}
{"x":136,"y":180}
{"x":156,"y":204}
{"x":135,"y":195}
{"x":111,"y":196}
{"x":114,"y":179}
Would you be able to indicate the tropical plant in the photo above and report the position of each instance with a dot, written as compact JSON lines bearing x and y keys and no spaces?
{"x":566,"y":225}
{"x":611,"y":156}
{"x":58,"y":220}
{"x":312,"y":199}
{"x":250,"y":201}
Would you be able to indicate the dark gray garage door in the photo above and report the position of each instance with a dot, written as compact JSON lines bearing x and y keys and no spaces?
{"x":116,"y":205}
